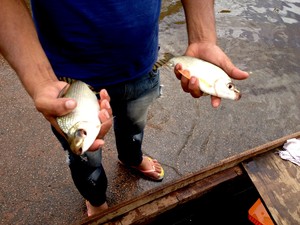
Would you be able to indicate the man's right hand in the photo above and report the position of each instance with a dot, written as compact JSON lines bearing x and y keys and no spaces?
{"x":47,"y":102}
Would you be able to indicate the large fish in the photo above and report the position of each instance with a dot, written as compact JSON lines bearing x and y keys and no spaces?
{"x":212,"y":79}
{"x":82,"y":125}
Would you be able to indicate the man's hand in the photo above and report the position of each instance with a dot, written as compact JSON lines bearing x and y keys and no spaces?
{"x":105,"y":116}
{"x":213,"y":54}
{"x":47,"y":102}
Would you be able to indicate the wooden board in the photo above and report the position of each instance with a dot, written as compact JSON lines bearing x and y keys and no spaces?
{"x":278,"y":182}
{"x":163,"y":190}
{"x":144,"y":213}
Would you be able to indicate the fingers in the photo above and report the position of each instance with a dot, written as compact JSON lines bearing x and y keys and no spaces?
{"x":215,"y":101}
{"x":104,"y":95}
{"x":176,"y":71}
{"x":61,"y":106}
{"x":193,"y":87}
{"x":188,"y":85}
{"x":105,"y":116}
{"x":48,"y":103}
{"x":225,"y":63}
{"x":98,"y":143}
{"x":106,"y":122}
{"x":238,"y":74}
{"x":104,"y":101}
{"x":231,"y":69}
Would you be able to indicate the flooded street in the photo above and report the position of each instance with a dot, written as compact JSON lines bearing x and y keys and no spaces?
{"x":183,"y":133}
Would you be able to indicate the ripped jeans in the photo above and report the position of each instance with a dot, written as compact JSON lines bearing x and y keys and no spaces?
{"x":130,"y":102}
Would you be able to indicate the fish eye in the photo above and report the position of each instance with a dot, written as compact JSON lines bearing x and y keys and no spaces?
{"x":231,"y":86}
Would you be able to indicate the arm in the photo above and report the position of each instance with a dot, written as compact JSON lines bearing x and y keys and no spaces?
{"x":202,"y":43}
{"x":200,"y":19}
{"x":20,"y":46}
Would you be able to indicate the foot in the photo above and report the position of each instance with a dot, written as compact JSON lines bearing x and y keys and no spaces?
{"x":92,"y":210}
{"x":151,"y":168}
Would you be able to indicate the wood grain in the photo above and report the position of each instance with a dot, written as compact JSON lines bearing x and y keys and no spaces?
{"x":278,"y":182}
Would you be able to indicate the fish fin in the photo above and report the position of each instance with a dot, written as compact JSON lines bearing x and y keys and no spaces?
{"x":63,"y":91}
{"x":167,"y":56}
{"x":185,"y":73}
{"x":161,"y":62}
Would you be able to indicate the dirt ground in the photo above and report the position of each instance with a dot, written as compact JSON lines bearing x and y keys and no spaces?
{"x":184,"y":133}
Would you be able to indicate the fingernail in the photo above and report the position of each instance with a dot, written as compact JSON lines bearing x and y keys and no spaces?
{"x":193,"y":80}
{"x":70,"y":104}
{"x":104,"y":92}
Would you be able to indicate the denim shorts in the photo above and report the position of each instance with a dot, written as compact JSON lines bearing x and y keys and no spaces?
{"x":130,"y":102}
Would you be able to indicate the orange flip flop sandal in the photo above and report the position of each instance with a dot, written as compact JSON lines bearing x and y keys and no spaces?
{"x":149,"y":173}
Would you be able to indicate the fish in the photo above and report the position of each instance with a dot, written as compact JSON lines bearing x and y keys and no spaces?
{"x":81,"y":126}
{"x":212,"y":79}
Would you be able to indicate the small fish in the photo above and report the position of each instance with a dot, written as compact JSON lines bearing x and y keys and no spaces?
{"x":212,"y":79}
{"x":82,"y":125}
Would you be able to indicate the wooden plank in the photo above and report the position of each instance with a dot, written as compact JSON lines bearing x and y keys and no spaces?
{"x":197,"y":189}
{"x":278,"y":182}
{"x":167,"y":188}
{"x":144,"y":213}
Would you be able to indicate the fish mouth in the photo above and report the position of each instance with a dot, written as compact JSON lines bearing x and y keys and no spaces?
{"x":80,"y":135}
{"x":83,"y":137}
{"x":238,"y":94}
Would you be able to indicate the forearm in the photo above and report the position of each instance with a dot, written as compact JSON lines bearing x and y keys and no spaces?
{"x":20,"y":46}
{"x":200,"y":18}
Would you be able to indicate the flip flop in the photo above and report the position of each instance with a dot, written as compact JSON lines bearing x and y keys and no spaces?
{"x":149,"y":173}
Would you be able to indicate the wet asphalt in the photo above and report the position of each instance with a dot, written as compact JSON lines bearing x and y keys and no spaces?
{"x":183,"y":133}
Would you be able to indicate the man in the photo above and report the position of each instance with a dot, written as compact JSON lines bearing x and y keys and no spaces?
{"x":112,"y":46}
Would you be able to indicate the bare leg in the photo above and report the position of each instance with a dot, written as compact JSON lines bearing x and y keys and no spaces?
{"x":92,"y":210}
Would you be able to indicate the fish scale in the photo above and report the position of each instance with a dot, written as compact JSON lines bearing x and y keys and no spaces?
{"x":82,"y":125}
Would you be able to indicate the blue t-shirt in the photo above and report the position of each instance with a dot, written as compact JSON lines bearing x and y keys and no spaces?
{"x":99,"y":42}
